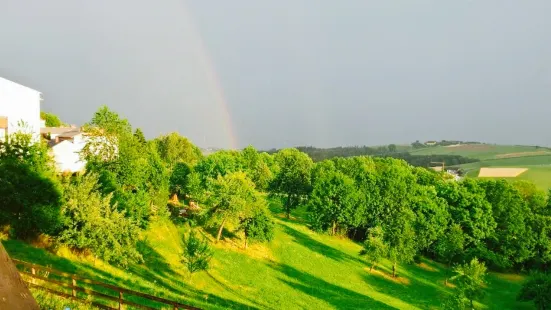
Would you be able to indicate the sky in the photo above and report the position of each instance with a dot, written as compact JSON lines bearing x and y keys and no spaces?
{"x":282,"y":73}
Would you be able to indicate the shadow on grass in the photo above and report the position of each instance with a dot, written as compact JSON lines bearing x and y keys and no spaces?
{"x":338,"y":297}
{"x":318,"y":247}
{"x":418,"y":290}
{"x":162,"y":279}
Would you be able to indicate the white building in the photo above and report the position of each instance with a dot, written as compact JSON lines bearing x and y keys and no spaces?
{"x":19,"y":109}
{"x":66,"y":143}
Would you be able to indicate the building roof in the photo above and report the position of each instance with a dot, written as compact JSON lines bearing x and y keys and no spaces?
{"x":70,"y":131}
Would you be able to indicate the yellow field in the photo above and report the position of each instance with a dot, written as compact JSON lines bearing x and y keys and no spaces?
{"x":500,"y":172}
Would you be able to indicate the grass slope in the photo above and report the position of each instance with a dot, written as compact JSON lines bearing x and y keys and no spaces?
{"x":298,"y":270}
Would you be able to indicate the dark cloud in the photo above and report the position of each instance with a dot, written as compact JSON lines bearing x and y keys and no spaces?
{"x":294,"y":72}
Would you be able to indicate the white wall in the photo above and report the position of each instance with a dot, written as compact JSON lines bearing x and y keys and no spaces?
{"x":67,"y":156}
{"x":19,"y":103}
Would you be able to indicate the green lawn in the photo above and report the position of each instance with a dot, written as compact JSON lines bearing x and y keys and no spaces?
{"x":298,"y":270}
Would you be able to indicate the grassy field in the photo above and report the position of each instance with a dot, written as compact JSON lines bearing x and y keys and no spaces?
{"x":536,"y":159}
{"x":483,"y":151}
{"x":298,"y":270}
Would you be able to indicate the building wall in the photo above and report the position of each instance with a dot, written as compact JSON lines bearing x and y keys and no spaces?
{"x":21,"y":105}
{"x":67,"y":156}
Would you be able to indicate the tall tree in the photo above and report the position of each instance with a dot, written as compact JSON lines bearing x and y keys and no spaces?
{"x":140,"y":137}
{"x":256,"y":167}
{"x":333,"y":201}
{"x":470,"y":279}
{"x":293,"y":178}
{"x":175,"y":148}
{"x":233,"y":197}
{"x":374,"y":247}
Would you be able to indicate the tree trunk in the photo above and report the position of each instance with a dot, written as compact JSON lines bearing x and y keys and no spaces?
{"x":372,"y":267}
{"x":334,"y":228}
{"x":175,"y":197}
{"x":14,"y":293}
{"x":394,"y":270}
{"x":288,"y":207}
{"x":245,"y":242}
{"x":472,"y":305}
{"x":220,"y":230}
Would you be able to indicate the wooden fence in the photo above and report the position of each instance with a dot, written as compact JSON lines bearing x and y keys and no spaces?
{"x":80,"y":288}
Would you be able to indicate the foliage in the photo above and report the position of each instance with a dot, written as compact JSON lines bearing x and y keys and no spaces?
{"x":197,"y":253}
{"x":179,"y":179}
{"x":293,"y":178}
{"x":51,"y":119}
{"x":174,"y":148}
{"x":30,"y":195}
{"x":29,"y":200}
{"x":259,"y":226}
{"x":451,"y":244}
{"x":233,"y":198}
{"x":333,"y":201}
{"x":91,"y":222}
{"x":538,"y":290}
{"x":140,"y":137}
{"x":470,"y":278}
{"x":256,"y":166}
{"x":374,"y":247}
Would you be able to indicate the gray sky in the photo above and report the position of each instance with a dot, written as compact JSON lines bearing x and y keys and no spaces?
{"x":291,"y":72}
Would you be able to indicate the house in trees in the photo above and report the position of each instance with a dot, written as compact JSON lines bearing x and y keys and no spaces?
{"x":66,"y":144}
{"x":19,"y":109}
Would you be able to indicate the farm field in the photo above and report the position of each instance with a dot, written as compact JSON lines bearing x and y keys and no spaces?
{"x":484,"y":151}
{"x":300,"y":269}
{"x":537,"y":160}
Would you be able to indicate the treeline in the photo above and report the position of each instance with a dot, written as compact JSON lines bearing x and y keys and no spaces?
{"x":398,"y":211}
{"x":320,"y":154}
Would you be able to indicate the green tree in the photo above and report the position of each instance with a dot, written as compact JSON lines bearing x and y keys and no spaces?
{"x":51,"y":119}
{"x":333,"y":201}
{"x":538,"y":290}
{"x":374,"y":247}
{"x":91,"y":222}
{"x":197,"y":253}
{"x":513,"y":241}
{"x":293,"y":178}
{"x":30,"y":196}
{"x":140,"y":137}
{"x":259,"y":226}
{"x":470,"y":279}
{"x":29,"y":200}
{"x":451,"y":244}
{"x":400,"y":238}
{"x":256,"y":167}
{"x":109,"y":122}
{"x":431,"y":216}
{"x":175,"y":148}
{"x":233,"y":197}
{"x":392,"y":148}
{"x":179,"y":180}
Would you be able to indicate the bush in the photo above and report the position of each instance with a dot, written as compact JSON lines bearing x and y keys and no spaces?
{"x":197,"y":253}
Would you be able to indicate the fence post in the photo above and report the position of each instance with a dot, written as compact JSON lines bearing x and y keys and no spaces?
{"x":33,"y":272}
{"x":120,"y":300}
{"x":74,"y":284}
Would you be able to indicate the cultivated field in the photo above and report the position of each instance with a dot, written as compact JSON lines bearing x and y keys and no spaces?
{"x":534,"y":164}
{"x":484,"y":151}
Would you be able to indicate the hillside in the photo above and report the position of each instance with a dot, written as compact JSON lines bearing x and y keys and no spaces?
{"x":298,"y":270}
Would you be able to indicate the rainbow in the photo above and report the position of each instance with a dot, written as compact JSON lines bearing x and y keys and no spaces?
{"x":213,"y":81}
